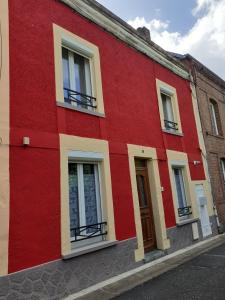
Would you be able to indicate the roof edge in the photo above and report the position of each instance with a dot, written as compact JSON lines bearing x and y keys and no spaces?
{"x":101,"y":16}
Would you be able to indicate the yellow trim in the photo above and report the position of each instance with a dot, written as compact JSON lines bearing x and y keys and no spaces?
{"x":207,"y":184}
{"x":73,"y":143}
{"x":61,"y":34}
{"x":176,"y":158}
{"x":157,"y":203}
{"x":4,"y":137}
{"x":160,"y":85}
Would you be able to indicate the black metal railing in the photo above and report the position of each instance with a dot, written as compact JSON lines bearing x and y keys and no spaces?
{"x":81,"y":99}
{"x":171,"y":125}
{"x":184,"y":211}
{"x":88,"y":231}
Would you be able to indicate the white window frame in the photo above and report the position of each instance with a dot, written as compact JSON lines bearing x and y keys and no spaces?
{"x":169,"y":109}
{"x":183,"y":189}
{"x":88,"y":72}
{"x":81,"y":199}
{"x":223,"y":168}
{"x":213,"y":118}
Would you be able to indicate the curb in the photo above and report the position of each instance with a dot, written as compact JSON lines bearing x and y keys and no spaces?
{"x":117,"y":285}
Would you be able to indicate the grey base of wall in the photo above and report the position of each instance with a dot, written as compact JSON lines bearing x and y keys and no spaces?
{"x":182,"y":236}
{"x":58,"y":279}
{"x":222,"y":228}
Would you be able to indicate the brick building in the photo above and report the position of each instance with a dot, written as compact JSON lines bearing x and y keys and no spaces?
{"x":210,"y":90}
{"x":101,"y":156}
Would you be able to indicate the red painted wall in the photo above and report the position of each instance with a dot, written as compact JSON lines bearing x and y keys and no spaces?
{"x":132,"y":116}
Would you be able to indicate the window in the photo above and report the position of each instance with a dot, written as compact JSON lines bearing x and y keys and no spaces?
{"x":77,"y":73}
{"x":77,"y":84}
{"x":168,"y":108}
{"x":214,"y":111}
{"x":86,"y":224}
{"x":183,"y":209}
{"x":223,"y":168}
{"x":169,"y":121}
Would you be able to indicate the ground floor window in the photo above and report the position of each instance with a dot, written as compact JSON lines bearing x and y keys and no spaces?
{"x":184,"y":210}
{"x":223,"y":168}
{"x":86,"y":221}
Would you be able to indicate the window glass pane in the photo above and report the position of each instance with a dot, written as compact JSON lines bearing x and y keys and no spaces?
{"x":79,"y":70}
{"x":167,"y":110}
{"x":181,"y":197}
{"x":90,"y":194}
{"x":214,"y":119}
{"x":163,"y":97}
{"x":66,"y":81}
{"x":141,"y":191}
{"x":82,"y":78}
{"x":73,"y":197}
{"x":223,"y":168}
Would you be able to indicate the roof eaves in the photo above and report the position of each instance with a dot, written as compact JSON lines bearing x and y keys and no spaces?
{"x":100,"y":15}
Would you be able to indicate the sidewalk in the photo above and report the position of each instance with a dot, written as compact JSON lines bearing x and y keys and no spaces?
{"x":117,"y":285}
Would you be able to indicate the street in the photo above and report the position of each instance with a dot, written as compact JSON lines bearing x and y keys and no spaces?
{"x":201,"y":278}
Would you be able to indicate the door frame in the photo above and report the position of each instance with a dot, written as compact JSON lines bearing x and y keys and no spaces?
{"x":163,"y":243}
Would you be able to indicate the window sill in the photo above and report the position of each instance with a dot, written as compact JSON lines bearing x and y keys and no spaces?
{"x":82,"y":110}
{"x":221,"y":137}
{"x":185,"y":222}
{"x":173,"y":132}
{"x":89,"y":249}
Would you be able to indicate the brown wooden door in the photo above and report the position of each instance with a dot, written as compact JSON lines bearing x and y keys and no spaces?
{"x":144,"y":196}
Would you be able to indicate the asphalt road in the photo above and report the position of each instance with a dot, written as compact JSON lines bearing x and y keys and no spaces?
{"x":201,"y":278}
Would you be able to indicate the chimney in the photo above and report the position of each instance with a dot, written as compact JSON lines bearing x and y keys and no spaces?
{"x":145,"y":33}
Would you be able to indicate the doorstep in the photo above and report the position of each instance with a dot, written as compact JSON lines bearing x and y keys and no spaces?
{"x":117,"y":285}
{"x":153,"y":255}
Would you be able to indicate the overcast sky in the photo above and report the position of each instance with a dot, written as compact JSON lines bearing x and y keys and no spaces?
{"x":183,"y":26}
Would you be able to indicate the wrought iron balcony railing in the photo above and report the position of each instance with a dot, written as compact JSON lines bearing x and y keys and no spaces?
{"x":184,"y":211}
{"x":171,"y":125}
{"x":88,"y":231}
{"x":83,"y":100}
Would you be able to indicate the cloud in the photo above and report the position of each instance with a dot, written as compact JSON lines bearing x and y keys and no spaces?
{"x":205,"y":40}
{"x":154,"y":24}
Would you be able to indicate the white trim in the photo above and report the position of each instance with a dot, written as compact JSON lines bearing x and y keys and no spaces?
{"x":81,"y":197}
{"x":88,"y":156}
{"x":223,"y":168}
{"x":77,"y":47}
{"x":167,"y":91}
{"x":214,"y":119}
{"x":98,"y":193}
{"x":125,"y":35}
{"x":178,"y":163}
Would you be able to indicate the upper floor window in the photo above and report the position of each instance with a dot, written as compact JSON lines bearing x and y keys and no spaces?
{"x":77,"y":80}
{"x":168,"y":108}
{"x":77,"y":73}
{"x":215,"y":118}
{"x":169,"y":120}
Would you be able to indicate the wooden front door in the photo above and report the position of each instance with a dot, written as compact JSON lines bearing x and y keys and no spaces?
{"x":144,"y":196}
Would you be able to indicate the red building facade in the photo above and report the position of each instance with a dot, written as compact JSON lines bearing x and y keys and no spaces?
{"x":127,"y":140}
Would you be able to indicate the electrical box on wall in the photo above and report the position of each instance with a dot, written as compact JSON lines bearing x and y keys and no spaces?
{"x":26,"y":141}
